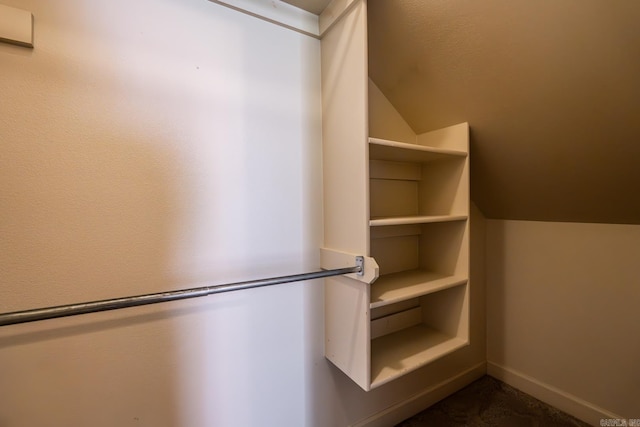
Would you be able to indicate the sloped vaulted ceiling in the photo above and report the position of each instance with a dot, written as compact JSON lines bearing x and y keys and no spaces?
{"x":550,"y":88}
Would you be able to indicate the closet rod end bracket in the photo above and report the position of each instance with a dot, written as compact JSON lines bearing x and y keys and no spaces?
{"x":360,"y":265}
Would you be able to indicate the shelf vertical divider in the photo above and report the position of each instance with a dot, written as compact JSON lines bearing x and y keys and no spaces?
{"x":346,"y":188}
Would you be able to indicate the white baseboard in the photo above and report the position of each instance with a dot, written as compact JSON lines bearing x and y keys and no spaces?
{"x":419,"y":402}
{"x":566,"y":402}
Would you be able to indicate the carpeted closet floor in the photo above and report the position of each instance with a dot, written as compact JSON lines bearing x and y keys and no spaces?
{"x":489,"y":402}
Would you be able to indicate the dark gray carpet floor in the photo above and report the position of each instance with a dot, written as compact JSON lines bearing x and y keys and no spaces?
{"x":489,"y":402}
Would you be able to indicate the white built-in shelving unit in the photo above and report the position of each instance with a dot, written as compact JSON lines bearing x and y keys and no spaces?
{"x":400,"y":199}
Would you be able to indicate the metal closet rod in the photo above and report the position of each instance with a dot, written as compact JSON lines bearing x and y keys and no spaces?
{"x":37,"y":314}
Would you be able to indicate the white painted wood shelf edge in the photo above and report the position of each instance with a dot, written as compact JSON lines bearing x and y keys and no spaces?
{"x":417,"y":219}
{"x":396,"y":354}
{"x":415,"y":147}
{"x":396,"y":287}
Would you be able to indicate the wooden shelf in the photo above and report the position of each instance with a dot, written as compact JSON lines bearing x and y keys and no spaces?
{"x":392,"y":288}
{"x":396,"y":354}
{"x":417,"y":219}
{"x":382,"y":149}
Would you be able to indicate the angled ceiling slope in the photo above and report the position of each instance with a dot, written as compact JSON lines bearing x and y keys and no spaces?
{"x":551,"y":90}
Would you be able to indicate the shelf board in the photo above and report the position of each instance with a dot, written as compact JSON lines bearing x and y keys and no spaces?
{"x":396,"y":287}
{"x":382,"y":149}
{"x":417,"y":219}
{"x":396,"y":354}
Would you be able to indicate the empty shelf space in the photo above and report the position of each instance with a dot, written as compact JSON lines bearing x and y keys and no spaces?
{"x":383,"y":149}
{"x":418,"y":190}
{"x":392,"y":288}
{"x":438,"y":247}
{"x":415,"y":219}
{"x":396,"y":354}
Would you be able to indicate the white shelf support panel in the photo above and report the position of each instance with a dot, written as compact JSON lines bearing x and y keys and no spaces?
{"x":330,"y":260}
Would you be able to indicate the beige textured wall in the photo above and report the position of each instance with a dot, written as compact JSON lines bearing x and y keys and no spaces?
{"x":562,"y":307}
{"x":146,"y":146}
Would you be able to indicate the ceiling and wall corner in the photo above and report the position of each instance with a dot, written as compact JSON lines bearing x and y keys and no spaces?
{"x":314,"y":6}
{"x":277,"y":12}
{"x":549,"y":88}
